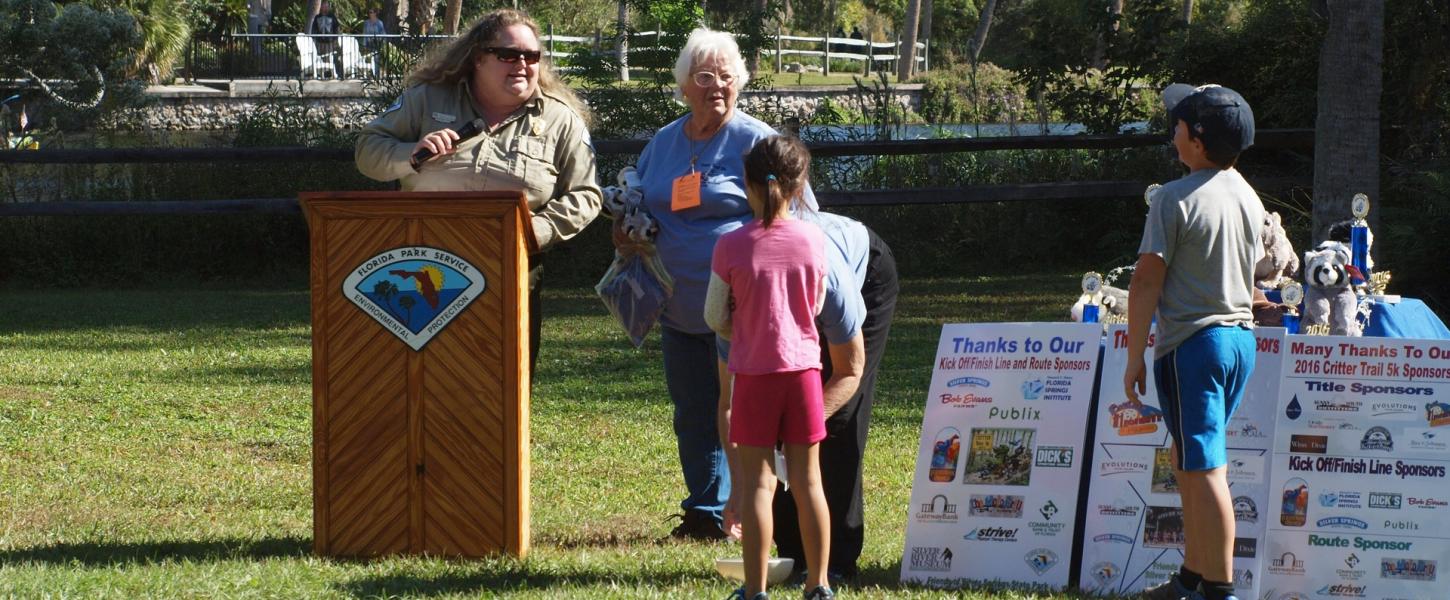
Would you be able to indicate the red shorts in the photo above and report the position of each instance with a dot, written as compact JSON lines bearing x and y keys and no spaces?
{"x":785,"y":407}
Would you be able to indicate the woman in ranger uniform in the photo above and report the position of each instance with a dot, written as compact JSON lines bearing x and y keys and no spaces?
{"x":533,"y":135}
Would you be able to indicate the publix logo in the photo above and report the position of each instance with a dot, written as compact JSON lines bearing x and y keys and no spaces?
{"x":969,"y":382}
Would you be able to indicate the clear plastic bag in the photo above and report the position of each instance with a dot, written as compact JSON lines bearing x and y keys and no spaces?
{"x":635,"y":289}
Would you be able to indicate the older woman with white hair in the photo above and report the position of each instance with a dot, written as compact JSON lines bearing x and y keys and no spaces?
{"x":693,"y":176}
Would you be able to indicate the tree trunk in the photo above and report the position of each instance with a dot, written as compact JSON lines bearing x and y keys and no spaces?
{"x":621,"y":47}
{"x":984,"y":22}
{"x":422,"y":15}
{"x":752,"y":62}
{"x":453,"y":14}
{"x":924,"y":31}
{"x":1187,"y":11}
{"x":395,"y":16}
{"x":906,"y":50}
{"x":1100,"y":53}
{"x":1347,"y":127}
{"x":313,"y":7}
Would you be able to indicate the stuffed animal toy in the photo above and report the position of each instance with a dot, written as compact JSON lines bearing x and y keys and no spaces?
{"x":638,"y":225}
{"x":1114,"y":301}
{"x":1328,"y":297}
{"x":1279,"y":263}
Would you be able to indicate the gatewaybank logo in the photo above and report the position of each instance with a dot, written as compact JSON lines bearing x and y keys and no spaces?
{"x":1309,"y":444}
{"x":1041,"y":560}
{"x":1377,"y":438}
{"x":992,"y":534}
{"x":930,"y":559}
{"x":1286,"y":564}
{"x":938,"y":510}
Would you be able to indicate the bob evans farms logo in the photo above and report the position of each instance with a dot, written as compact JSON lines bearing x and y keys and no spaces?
{"x":964,"y":400}
{"x":1427,"y":503}
{"x":1135,"y":418}
{"x":414,"y":292}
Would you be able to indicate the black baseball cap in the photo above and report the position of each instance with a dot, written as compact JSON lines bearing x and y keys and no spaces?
{"x":1219,"y":116}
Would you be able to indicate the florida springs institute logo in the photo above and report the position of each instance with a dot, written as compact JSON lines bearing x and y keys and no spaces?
{"x":415,"y":291}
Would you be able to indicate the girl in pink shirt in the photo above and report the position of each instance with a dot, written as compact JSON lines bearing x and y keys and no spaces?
{"x":767,"y":284}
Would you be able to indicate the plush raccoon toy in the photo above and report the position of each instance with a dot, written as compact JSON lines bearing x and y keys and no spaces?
{"x":1328,"y":297}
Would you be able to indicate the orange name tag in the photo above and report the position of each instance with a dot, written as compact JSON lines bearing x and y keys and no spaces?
{"x":686,"y":192}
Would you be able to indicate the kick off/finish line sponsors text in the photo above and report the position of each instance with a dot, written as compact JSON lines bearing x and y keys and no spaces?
{"x":997,"y":471}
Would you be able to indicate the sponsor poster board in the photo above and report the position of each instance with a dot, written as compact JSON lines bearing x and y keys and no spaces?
{"x":1133,"y":530}
{"x":1360,"y":465}
{"x":995,"y":493}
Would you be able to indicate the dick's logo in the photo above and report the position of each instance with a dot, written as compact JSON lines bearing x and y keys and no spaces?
{"x":414,"y":292}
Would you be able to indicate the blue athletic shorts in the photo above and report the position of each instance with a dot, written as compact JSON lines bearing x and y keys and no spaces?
{"x":1200,"y":384}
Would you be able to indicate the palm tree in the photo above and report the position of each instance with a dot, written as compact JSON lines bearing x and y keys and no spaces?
{"x":1347,"y":126}
{"x":165,"y":34}
{"x":407,"y":303}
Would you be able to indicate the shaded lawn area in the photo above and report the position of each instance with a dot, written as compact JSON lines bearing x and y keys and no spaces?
{"x":157,"y":443}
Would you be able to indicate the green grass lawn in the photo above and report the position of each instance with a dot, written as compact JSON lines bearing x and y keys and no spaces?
{"x":158,"y":444}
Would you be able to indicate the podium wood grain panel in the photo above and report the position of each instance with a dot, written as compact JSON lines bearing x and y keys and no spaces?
{"x":420,"y":451}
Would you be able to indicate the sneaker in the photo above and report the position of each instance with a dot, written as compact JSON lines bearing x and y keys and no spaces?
{"x":1170,"y":590}
{"x":820,"y":593}
{"x":739,"y":594}
{"x":696,"y":525}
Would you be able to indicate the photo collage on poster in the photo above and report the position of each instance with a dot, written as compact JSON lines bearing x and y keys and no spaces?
{"x":1133,"y":533}
{"x":997,"y":472}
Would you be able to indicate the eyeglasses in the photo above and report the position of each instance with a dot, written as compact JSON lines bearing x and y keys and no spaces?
{"x":512,"y":55}
{"x":707,"y":79}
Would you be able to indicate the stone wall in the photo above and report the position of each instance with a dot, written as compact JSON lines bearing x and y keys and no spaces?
{"x":203,"y":108}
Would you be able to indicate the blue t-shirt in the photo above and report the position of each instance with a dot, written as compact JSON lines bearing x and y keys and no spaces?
{"x":687,"y":238}
{"x":848,"y":249}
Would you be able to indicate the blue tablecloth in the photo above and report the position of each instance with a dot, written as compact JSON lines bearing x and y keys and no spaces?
{"x":1408,"y":319}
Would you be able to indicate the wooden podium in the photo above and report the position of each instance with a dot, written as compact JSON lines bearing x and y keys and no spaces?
{"x":420,"y":380}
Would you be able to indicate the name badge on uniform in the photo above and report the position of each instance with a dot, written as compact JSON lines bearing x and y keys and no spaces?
{"x":685,"y":192}
{"x":444,"y":117}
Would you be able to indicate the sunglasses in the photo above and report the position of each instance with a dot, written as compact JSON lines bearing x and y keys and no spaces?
{"x":512,"y":55}
{"x":707,"y":79}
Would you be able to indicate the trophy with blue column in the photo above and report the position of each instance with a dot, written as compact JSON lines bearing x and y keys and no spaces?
{"x":1359,"y":235}
{"x":1092,"y":286}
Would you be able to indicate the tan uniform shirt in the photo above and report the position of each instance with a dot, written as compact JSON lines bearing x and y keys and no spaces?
{"x":542,"y":149}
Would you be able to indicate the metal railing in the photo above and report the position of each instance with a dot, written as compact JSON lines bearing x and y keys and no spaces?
{"x":277,"y":56}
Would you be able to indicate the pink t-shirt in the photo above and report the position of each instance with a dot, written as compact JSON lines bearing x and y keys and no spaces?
{"x":774,"y":276}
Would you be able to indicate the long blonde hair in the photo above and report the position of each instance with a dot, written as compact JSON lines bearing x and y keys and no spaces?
{"x":450,"y":63}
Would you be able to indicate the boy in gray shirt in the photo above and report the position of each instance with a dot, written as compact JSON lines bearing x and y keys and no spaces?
{"x":1196,"y":270}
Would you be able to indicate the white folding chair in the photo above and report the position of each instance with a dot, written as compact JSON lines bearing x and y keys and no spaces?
{"x":311,"y":60}
{"x":353,"y":59}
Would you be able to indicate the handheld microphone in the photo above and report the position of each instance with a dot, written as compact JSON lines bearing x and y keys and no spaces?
{"x":468,"y":130}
